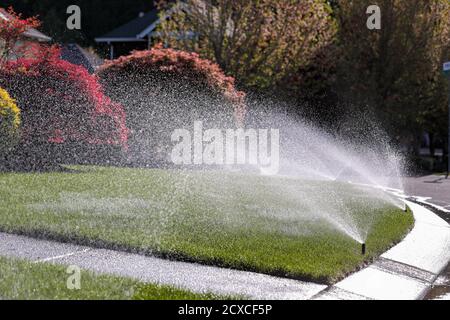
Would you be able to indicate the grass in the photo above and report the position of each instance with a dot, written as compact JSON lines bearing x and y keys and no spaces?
{"x":24,"y":280}
{"x":278,"y":226}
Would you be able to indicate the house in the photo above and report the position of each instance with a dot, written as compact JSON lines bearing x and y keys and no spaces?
{"x":72,"y":53}
{"x":134,"y":35}
{"x":140,"y":33}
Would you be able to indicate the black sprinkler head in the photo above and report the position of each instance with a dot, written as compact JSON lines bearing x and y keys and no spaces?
{"x":363,"y":249}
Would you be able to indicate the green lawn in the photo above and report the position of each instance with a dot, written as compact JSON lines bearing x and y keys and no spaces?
{"x":272,"y":225}
{"x":22,"y":280}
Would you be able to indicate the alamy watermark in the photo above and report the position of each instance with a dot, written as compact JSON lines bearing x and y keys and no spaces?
{"x":374,"y":20}
{"x":74,"y":20}
{"x":74,"y":279}
{"x":257,"y":147}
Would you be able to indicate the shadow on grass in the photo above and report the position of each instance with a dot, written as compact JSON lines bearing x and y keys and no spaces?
{"x":38,"y":157}
{"x":39,"y":169}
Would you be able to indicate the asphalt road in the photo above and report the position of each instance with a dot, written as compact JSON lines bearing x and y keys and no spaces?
{"x":433,"y":186}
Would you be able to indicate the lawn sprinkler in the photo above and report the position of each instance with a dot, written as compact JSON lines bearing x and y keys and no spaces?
{"x":363,"y":249}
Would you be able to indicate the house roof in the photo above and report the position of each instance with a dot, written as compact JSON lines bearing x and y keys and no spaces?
{"x":30,"y":33}
{"x":133,"y":31}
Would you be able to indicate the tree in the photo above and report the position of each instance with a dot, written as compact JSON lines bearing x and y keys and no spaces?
{"x":396,"y":70}
{"x":261,"y":43}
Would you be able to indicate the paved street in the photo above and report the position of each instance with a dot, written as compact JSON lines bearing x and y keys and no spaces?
{"x":433,"y":186}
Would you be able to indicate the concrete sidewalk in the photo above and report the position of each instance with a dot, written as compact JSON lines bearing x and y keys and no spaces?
{"x":433,"y":190}
{"x":191,"y":276}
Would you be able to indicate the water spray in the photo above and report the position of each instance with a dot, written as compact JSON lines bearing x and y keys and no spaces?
{"x":363,"y":248}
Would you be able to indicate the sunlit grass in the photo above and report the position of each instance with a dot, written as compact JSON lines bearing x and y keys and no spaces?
{"x":271,"y":225}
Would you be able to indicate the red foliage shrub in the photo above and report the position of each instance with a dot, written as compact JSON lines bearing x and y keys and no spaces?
{"x":162,"y":89}
{"x":62,"y":102}
{"x":11,"y":29}
{"x":184,"y":65}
